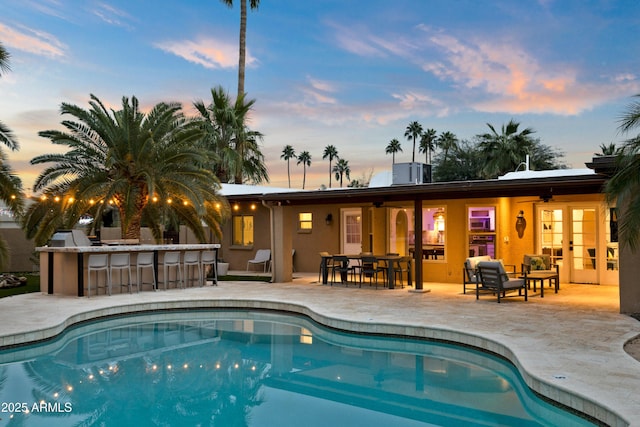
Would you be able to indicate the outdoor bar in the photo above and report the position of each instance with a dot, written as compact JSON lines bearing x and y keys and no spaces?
{"x":63,"y":262}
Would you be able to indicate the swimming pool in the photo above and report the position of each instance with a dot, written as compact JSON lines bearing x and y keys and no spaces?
{"x":258,"y":368}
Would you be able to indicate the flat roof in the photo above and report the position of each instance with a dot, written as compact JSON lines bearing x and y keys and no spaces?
{"x":544,"y":187}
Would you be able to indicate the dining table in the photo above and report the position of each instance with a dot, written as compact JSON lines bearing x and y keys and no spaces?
{"x":391,"y":261}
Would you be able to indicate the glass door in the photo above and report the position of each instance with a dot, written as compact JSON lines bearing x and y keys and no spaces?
{"x":583,"y":246}
{"x":552,"y":234}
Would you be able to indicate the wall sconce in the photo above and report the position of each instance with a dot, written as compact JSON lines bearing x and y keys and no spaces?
{"x":521,"y":224}
{"x":329,"y":219}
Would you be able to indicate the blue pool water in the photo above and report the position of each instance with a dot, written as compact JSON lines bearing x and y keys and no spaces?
{"x":228,"y":368}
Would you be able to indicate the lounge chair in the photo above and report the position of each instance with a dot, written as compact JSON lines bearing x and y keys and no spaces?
{"x":492,"y":277}
{"x":263,"y":256}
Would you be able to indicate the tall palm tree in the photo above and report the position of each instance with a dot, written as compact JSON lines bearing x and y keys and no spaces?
{"x":504,"y":151}
{"x":238,"y":157}
{"x":331,"y":152}
{"x":413,"y":131}
{"x":126,"y":160}
{"x":393,"y":147}
{"x":243,"y":38}
{"x":10,"y":185}
{"x":623,"y":189}
{"x":304,"y":158}
{"x":447,"y":141}
{"x":608,"y":150}
{"x":342,"y":169}
{"x":427,"y":144}
{"x":288,"y":153}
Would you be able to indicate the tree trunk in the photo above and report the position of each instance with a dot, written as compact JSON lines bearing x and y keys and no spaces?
{"x":243,"y":41}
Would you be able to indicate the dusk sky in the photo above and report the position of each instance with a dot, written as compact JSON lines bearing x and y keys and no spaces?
{"x":351,"y":73}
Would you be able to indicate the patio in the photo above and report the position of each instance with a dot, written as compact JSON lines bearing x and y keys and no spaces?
{"x":568,"y":346}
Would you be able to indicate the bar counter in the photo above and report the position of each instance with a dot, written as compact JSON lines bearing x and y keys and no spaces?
{"x":63,"y":271}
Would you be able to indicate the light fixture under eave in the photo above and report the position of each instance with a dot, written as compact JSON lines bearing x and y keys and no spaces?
{"x":521,"y":224}
{"x":329,"y":219}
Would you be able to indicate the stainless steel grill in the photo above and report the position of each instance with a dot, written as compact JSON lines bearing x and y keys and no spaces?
{"x":69,"y":238}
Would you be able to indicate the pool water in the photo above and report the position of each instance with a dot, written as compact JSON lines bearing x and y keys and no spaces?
{"x":229,"y":368}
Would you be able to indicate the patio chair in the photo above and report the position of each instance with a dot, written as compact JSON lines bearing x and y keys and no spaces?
{"x":370,"y":268}
{"x":469,"y":271}
{"x":492,"y":277}
{"x":263,"y":256}
{"x":541,"y":266}
{"x":401,"y":267}
{"x":340,"y":265}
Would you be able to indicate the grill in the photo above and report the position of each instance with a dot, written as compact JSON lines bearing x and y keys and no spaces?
{"x":69,"y":238}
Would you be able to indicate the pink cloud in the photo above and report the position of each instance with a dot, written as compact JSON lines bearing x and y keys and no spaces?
{"x":515,"y":81}
{"x":32,"y":41}
{"x":208,"y":52}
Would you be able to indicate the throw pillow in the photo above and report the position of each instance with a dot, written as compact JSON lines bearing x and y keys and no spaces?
{"x":537,"y":263}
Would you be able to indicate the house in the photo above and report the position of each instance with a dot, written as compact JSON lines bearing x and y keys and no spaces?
{"x":561,"y":213}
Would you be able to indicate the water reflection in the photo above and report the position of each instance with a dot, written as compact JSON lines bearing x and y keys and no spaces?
{"x":223,"y":368}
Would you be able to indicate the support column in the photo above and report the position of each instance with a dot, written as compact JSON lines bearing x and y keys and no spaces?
{"x":281,"y":246}
{"x":417,"y":209}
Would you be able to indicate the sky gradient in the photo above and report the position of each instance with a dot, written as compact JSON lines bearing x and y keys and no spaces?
{"x":351,"y":73}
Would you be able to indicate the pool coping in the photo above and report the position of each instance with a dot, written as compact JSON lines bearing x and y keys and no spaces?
{"x":554,"y":392}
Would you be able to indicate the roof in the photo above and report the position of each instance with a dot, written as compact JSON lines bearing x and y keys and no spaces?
{"x":544,"y":187}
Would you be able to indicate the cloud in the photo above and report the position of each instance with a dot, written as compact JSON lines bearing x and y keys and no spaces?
{"x":361,"y":42}
{"x":508,"y":79}
{"x":32,"y":41}
{"x":112,"y":15}
{"x":318,"y":92}
{"x":208,"y":52}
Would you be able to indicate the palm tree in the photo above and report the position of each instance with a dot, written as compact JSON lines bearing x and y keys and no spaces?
{"x":447,"y":141}
{"x":414,"y":130}
{"x":243,"y":38}
{"x":342,"y":169}
{"x":288,"y":153}
{"x":504,"y":151}
{"x":305,"y":159}
{"x":332,"y":153}
{"x":4,"y":59}
{"x":393,"y":147}
{"x":608,"y":150}
{"x":10,"y":184}
{"x":125,"y":160}
{"x":623,"y":189}
{"x":238,"y":155}
{"x":427,"y":144}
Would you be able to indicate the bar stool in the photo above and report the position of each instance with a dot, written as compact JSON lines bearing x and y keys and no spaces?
{"x":192,"y":259}
{"x":144,"y":260}
{"x":171,"y":260}
{"x":209,"y":258}
{"x":97,"y":263}
{"x":120,"y":262}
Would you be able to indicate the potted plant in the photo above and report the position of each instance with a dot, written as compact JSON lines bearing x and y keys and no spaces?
{"x":222,"y":267}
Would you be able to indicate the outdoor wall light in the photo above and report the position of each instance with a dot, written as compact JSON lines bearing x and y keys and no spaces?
{"x":329,"y":219}
{"x":521,"y":224}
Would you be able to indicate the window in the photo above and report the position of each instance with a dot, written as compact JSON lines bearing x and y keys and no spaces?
{"x":242,"y":232}
{"x":481,"y":226}
{"x":352,"y":225}
{"x":305,"y":222}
